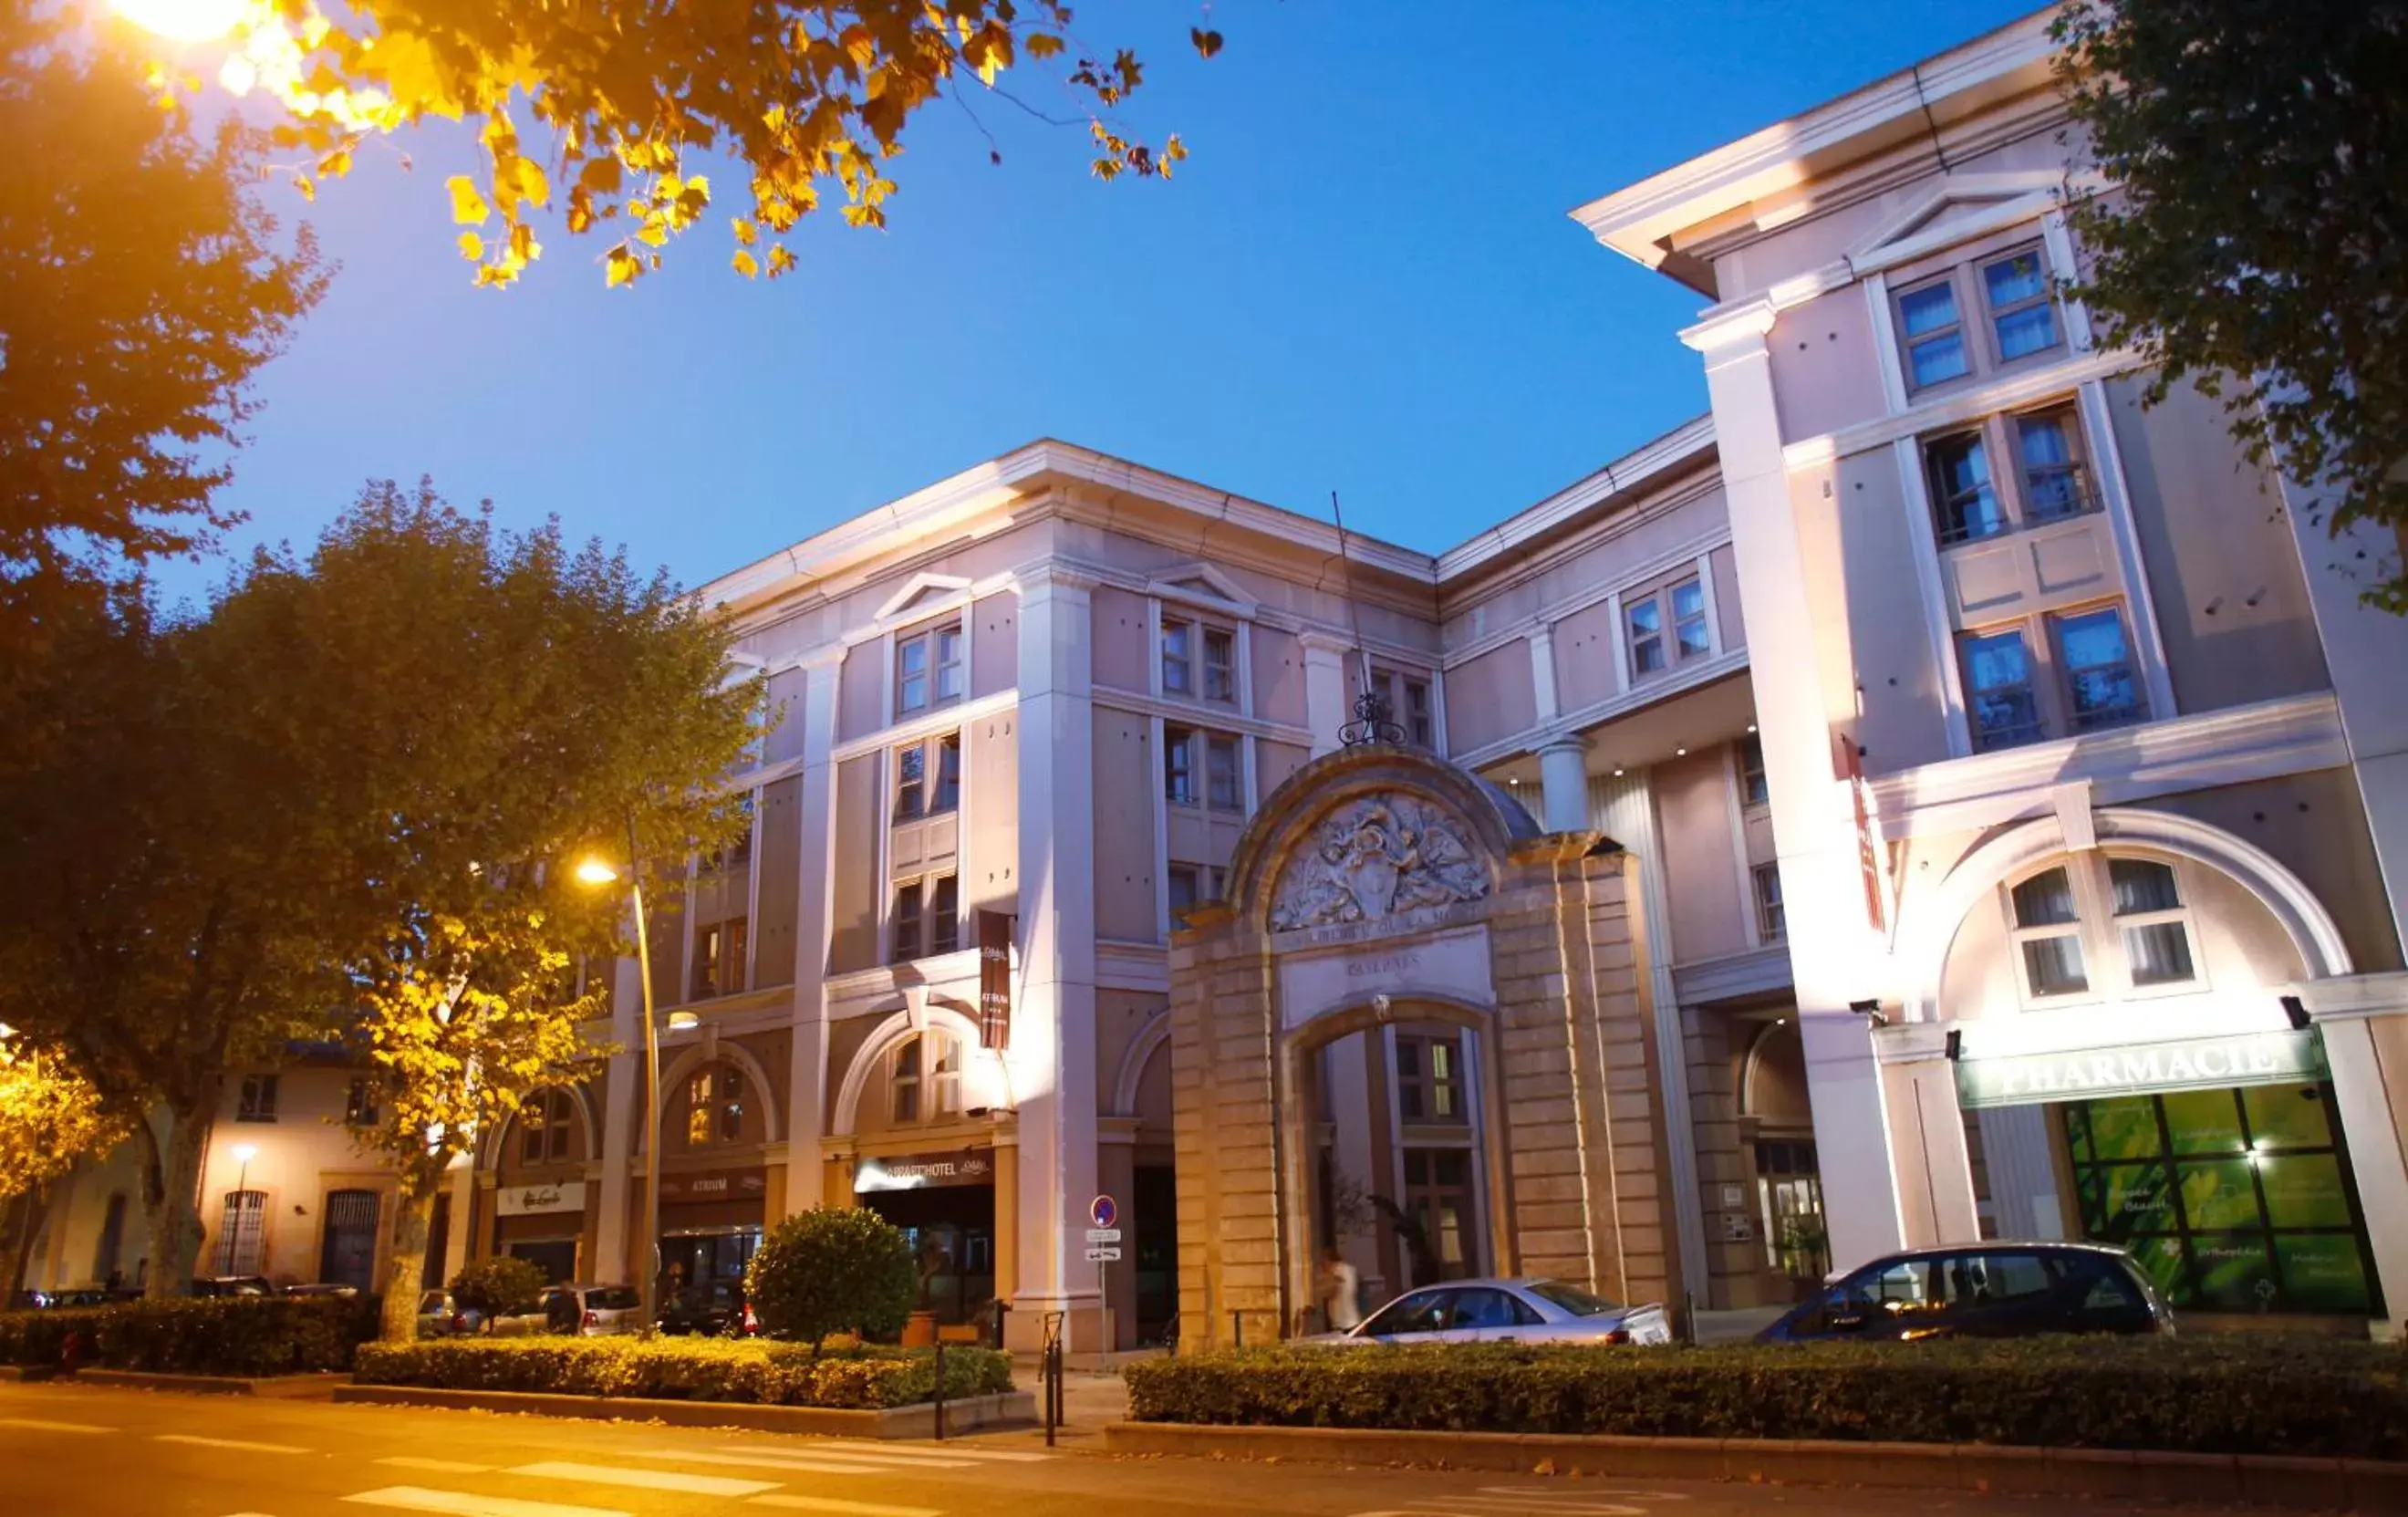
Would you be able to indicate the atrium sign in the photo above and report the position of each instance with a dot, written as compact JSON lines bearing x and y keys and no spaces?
{"x":2271,"y":1058}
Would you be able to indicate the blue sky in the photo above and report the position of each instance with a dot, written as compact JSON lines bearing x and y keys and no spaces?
{"x":1364,"y":279}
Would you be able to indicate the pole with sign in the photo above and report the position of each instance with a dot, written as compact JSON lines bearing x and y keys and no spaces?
{"x":1105,"y":1213}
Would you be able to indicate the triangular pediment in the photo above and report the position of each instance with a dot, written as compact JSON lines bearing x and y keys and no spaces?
{"x":1963,"y":207}
{"x":925,"y":593}
{"x":1202,"y":581}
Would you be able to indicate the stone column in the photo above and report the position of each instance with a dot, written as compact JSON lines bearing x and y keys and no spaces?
{"x":807,"y":1069}
{"x":1625,"y":810}
{"x":1929,"y":1167}
{"x":1835,"y":956}
{"x":1324,"y":690}
{"x":2364,"y":1021}
{"x":456,"y":1231}
{"x":1053,"y":1059}
{"x":615,"y":1223}
{"x":1542,"y":679}
{"x":1563,"y":773}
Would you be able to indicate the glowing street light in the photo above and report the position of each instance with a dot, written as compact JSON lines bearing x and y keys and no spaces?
{"x":184,"y":21}
{"x":592,"y":871}
{"x":243,"y":1153}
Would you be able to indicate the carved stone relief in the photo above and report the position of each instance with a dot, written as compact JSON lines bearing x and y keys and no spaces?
{"x":1377,"y":855}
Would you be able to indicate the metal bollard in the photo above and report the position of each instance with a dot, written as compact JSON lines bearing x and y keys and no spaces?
{"x":1237,"y":1329}
{"x":941,"y":1390}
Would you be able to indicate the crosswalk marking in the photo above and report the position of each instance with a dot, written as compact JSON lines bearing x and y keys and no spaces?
{"x":439,"y":1466}
{"x":840,"y":1447}
{"x":816,"y":1463}
{"x":246,"y":1446}
{"x":648,"y":1480}
{"x":36,"y":1425}
{"x":461,"y":1504}
{"x":826,"y":1503}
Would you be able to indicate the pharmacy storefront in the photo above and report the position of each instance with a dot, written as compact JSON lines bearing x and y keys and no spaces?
{"x":2216,"y":1162}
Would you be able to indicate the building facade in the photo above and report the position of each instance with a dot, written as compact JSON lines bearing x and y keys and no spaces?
{"x":1930,"y":798}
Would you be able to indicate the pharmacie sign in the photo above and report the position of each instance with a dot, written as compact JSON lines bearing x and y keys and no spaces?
{"x":2273,"y":1058}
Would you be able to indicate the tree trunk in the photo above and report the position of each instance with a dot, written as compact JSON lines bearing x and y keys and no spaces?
{"x":413,"y":1216}
{"x":171,"y":1182}
{"x":33,"y":1209}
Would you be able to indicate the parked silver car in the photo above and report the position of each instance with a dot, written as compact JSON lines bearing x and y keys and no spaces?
{"x":587,"y":1310}
{"x":1520,"y":1310}
{"x":441,"y":1315}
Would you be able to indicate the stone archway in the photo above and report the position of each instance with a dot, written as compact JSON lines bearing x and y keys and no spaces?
{"x":1380,"y":882}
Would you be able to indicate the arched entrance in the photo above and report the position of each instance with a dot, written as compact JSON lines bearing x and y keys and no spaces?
{"x":1484,"y":975}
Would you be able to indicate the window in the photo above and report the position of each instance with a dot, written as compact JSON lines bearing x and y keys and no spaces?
{"x":257,"y":1102}
{"x":2022,"y":316}
{"x":2049,"y":480}
{"x":2048,"y":449}
{"x":1789,"y":1198}
{"x":2047,"y":930}
{"x":360,"y":1103}
{"x":925,"y":1077}
{"x":1429,"y":1078}
{"x":719,"y":948}
{"x":543,"y":1127}
{"x":2152,"y":922}
{"x":929,"y":778}
{"x":2100,"y":687}
{"x":2230,"y":1200}
{"x":1752,"y":789}
{"x":1438,"y":1196}
{"x":1667,"y":626}
{"x":1967,"y":507}
{"x":1220,"y":665}
{"x":242,"y":1233}
{"x":1999,"y":687}
{"x":1934,"y":337}
{"x":1193,"y":882}
{"x":907,"y":924}
{"x":1406,"y":697}
{"x":944,"y":916}
{"x":1646,"y":633}
{"x":1178,"y":657}
{"x":1223,"y":789}
{"x":929,"y":668}
{"x":714,"y":1107}
{"x":1179,"y":766}
{"x":1771,"y":923}
{"x":738,"y":852}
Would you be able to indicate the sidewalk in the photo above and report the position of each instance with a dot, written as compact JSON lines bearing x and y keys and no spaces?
{"x":1090,"y":1400}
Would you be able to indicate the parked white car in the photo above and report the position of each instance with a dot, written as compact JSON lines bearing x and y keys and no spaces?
{"x":586,"y":1310}
{"x":1522,"y":1310}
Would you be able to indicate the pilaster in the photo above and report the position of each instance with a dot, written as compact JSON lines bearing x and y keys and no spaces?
{"x":1325,"y":689}
{"x":615,"y":1220}
{"x":807,"y":1070}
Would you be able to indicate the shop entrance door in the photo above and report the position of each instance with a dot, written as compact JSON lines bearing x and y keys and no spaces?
{"x":1154,"y":1215}
{"x":555,"y":1256}
{"x":349,"y":1257}
{"x":952,"y":1232}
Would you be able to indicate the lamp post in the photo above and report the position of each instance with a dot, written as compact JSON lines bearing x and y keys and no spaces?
{"x":243,"y":1153}
{"x":594,"y":871}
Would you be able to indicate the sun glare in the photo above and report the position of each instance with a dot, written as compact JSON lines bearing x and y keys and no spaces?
{"x":184,"y":21}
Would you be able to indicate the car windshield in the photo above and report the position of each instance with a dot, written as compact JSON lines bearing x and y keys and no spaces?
{"x":431,"y":1301}
{"x":613,"y":1299}
{"x":1570,"y":1298}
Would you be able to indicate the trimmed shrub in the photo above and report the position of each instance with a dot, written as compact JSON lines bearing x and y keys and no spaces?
{"x":831,"y":1269}
{"x":2236,"y":1394}
{"x":685,"y":1369}
{"x":503,"y":1285}
{"x":235,"y":1335}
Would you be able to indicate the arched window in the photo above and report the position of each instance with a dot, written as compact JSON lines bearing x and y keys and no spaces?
{"x":2096,"y":924}
{"x":543,"y":1126}
{"x":925,"y":1077}
{"x":714,"y":1105}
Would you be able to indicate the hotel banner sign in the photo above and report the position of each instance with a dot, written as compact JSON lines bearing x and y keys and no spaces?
{"x":2271,"y":1058}
{"x":924,"y":1171}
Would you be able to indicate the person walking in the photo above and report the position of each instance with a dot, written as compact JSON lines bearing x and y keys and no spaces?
{"x":1341,"y":1289}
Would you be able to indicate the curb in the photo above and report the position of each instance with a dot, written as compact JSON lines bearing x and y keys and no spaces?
{"x":289,"y":1387}
{"x":2215,"y":1479}
{"x":912,"y":1422}
{"x":28,"y":1372}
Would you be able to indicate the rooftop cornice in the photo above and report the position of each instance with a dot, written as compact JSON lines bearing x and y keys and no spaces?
{"x":1639,"y":221}
{"x":1646,"y":467}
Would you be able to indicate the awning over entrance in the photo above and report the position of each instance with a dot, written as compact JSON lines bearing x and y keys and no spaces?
{"x":2268,"y":1058}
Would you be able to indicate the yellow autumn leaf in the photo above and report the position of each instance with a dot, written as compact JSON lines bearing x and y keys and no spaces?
{"x":472,"y":247}
{"x":620,"y":267}
{"x":528,"y":178}
{"x":468,"y":208}
{"x":745,"y":264}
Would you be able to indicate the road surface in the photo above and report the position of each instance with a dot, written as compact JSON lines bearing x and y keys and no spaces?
{"x":69,"y":1450}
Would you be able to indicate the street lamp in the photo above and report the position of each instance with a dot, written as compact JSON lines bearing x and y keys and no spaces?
{"x":243,"y":1153}
{"x":597,"y":872}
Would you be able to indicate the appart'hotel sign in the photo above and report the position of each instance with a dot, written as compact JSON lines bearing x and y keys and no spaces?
{"x":2276,"y":1058}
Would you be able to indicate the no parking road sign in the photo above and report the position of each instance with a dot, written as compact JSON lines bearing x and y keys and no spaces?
{"x":1104,"y":1211}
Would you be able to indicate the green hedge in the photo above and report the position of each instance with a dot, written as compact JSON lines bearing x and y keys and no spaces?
{"x":684,"y":1370}
{"x":2237,"y":1393}
{"x":237,"y":1336}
